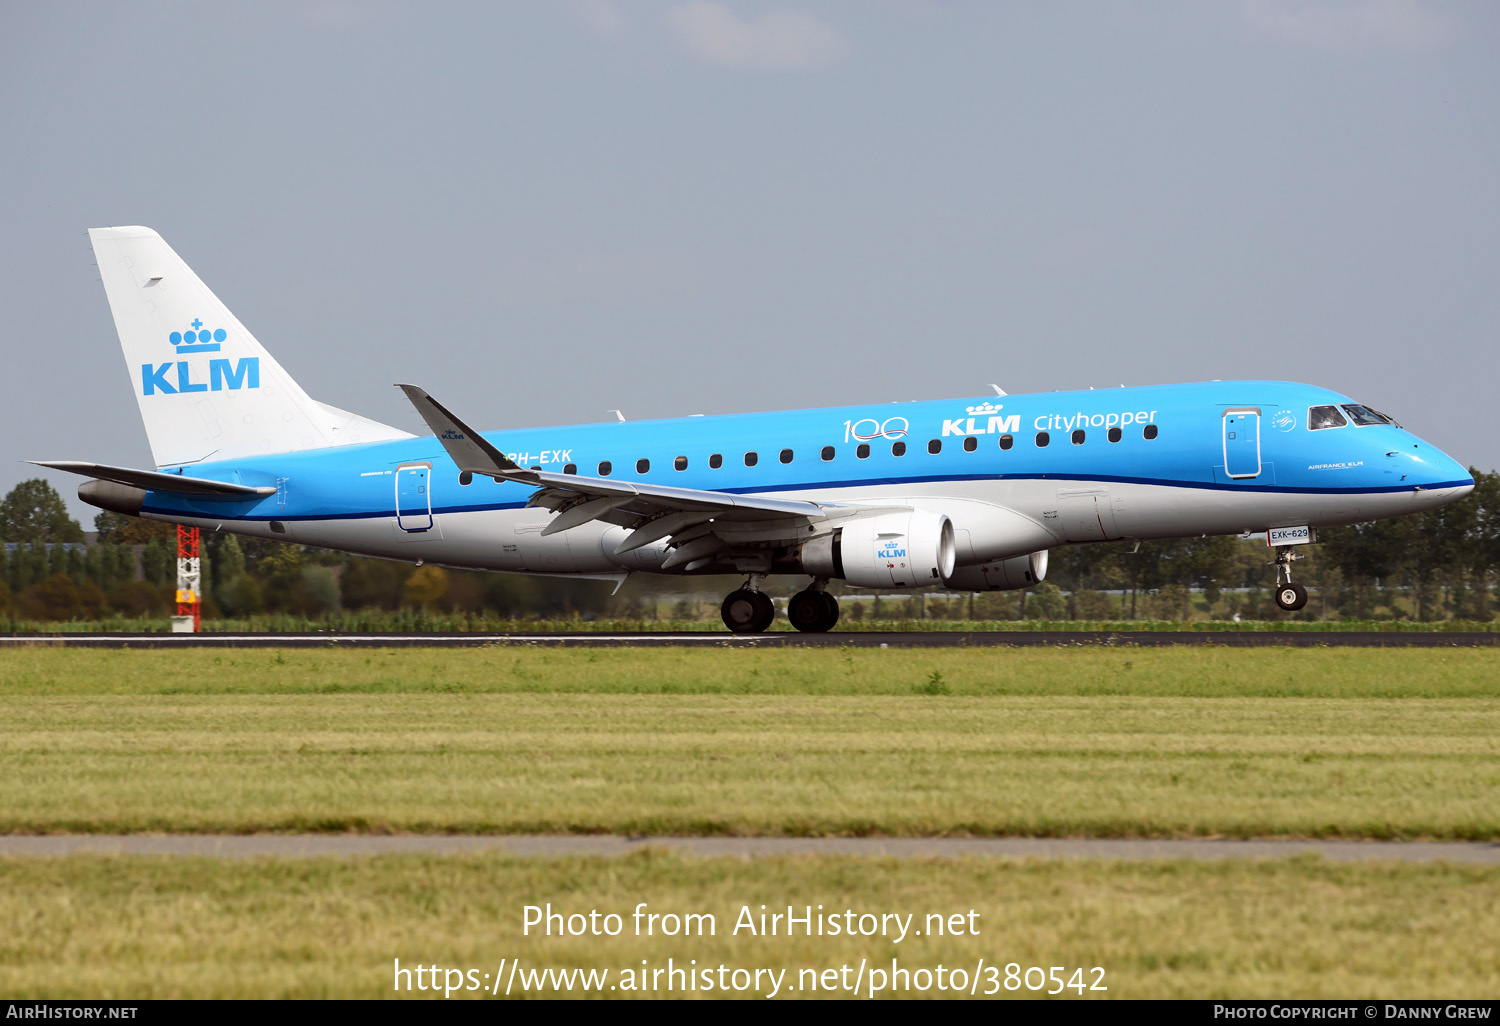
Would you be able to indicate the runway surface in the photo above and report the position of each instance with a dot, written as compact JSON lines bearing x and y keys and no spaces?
{"x":868,"y":639}
{"x":315,"y":845}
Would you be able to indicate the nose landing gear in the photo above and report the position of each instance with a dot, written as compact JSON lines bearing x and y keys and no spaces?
{"x":1289,"y":596}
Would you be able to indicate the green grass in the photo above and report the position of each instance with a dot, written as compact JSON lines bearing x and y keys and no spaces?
{"x":117,"y":928}
{"x":1182,"y":672}
{"x":1323,"y":743}
{"x":1087,"y":742}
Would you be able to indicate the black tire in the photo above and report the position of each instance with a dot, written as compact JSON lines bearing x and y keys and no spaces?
{"x":832,"y":616}
{"x":747,"y":612}
{"x":765,"y":613}
{"x":807,"y":611}
{"x":1291,"y":597}
{"x":739,"y":611}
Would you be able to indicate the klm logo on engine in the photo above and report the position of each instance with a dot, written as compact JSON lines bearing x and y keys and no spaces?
{"x":177,"y":377}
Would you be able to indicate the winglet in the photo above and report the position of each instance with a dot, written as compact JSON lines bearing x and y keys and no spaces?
{"x":466,"y":446}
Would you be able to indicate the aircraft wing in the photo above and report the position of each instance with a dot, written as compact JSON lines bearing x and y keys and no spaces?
{"x":699,"y":523}
{"x":153,"y":480}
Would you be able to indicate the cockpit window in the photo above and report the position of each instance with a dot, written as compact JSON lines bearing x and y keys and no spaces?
{"x":1363,"y":416}
{"x":1320,"y":417}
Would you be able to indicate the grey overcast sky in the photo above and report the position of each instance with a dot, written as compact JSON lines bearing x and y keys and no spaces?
{"x":545,"y":211}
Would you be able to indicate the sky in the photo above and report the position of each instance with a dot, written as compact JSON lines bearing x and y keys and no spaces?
{"x":542,"y":212}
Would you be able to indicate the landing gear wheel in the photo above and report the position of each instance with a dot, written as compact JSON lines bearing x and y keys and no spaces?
{"x":1291,"y":597}
{"x":813,"y":611}
{"x":747,"y":612}
{"x":832,"y":616}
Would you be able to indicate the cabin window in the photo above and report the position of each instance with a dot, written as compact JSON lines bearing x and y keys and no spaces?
{"x":898,"y":449}
{"x":1115,"y":434}
{"x":935,"y":446}
{"x":1363,"y":416}
{"x":1320,"y":417}
{"x":716,"y":461}
{"x":970,"y":444}
{"x":1149,"y":432}
{"x":571,"y":468}
{"x":863,"y":452}
{"x":642,"y":466}
{"x":680,"y":463}
{"x":1042,"y":438}
{"x":604,"y":468}
{"x":827,"y":454}
{"x":786,"y":455}
{"x":751,"y":459}
{"x":1006,"y":441}
{"x":1078,"y":436}
{"x":465,"y":478}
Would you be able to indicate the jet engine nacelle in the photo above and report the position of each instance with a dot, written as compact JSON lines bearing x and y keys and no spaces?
{"x":1002,"y":575}
{"x":896,"y":550}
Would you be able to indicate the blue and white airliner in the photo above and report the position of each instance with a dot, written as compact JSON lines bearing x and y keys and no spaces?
{"x":966,"y":494}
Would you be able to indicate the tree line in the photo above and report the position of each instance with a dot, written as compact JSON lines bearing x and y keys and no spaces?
{"x":1437,"y":565}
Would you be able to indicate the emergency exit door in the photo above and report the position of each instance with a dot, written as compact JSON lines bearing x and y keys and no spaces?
{"x":414,"y":498}
{"x":1242,"y":442}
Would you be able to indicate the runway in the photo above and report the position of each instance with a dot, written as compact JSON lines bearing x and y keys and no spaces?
{"x":856,"y":639}
{"x":611,"y":846}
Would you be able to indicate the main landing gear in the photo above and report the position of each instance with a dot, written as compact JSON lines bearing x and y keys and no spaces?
{"x":813,"y":610}
{"x":750,"y":611}
{"x":1289,"y":596}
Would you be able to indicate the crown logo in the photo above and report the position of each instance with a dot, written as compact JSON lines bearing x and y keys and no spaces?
{"x":983,"y":410}
{"x":197,"y":339}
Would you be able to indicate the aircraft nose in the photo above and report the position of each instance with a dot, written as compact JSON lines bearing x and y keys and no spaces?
{"x":1434,"y":477}
{"x":1438,"y":478}
{"x":1457,"y":491}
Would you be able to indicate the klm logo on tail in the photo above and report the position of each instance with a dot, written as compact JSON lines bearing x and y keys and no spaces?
{"x":222,"y":373}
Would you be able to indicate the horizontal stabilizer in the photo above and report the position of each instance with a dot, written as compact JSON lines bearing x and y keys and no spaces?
{"x":155,"y":481}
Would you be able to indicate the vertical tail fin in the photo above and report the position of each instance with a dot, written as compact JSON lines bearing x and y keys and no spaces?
{"x":207,"y":389}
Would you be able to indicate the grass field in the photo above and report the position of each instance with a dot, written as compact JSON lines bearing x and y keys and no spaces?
{"x":1174,"y":672}
{"x":1104,"y":742}
{"x":1156,"y":743}
{"x":142,"y":928}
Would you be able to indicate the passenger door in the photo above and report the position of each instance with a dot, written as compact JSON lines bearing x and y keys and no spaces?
{"x":1242,"y":442}
{"x":414,"y":498}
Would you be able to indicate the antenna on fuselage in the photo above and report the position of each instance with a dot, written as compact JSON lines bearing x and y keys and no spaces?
{"x":618,"y":415}
{"x":997,"y":388}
